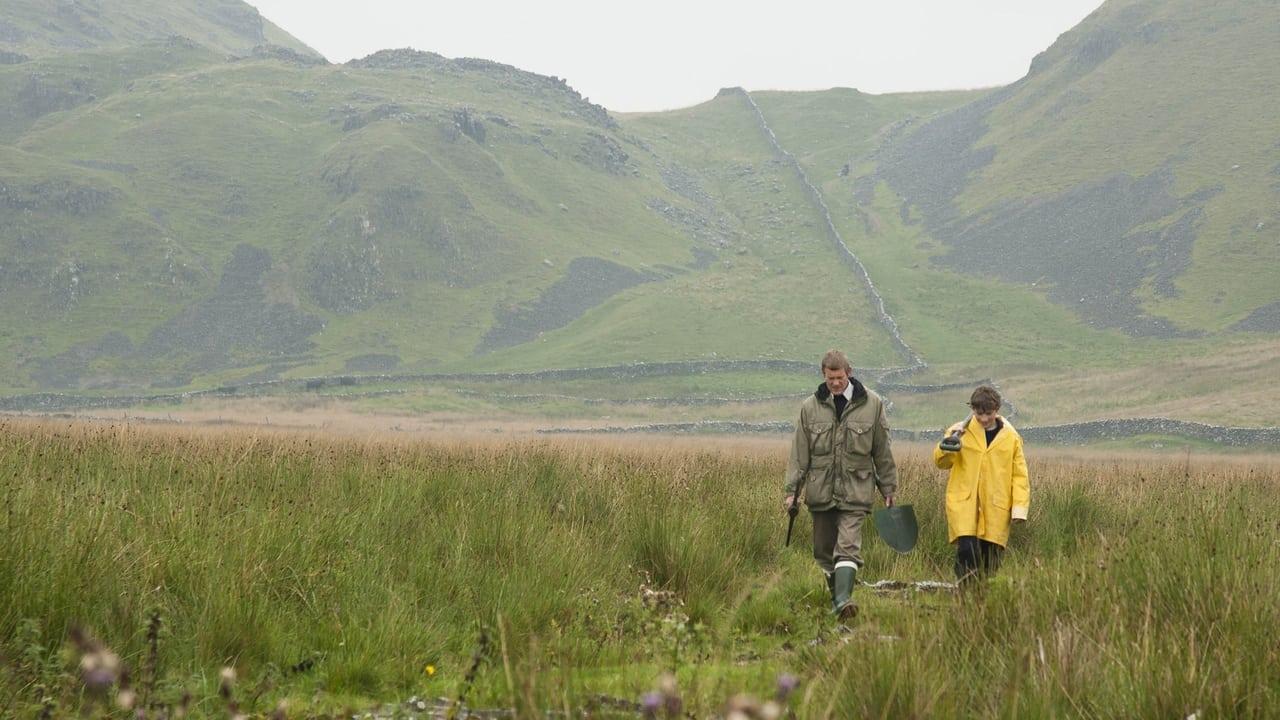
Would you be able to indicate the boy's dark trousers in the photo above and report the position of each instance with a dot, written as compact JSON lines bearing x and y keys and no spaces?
{"x":975,"y":556}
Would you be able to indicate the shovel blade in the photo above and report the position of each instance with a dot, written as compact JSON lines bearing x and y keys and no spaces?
{"x":897,"y":527}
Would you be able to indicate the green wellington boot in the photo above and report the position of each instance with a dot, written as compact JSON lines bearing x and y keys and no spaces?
{"x":842,"y":596}
{"x":831,"y":588}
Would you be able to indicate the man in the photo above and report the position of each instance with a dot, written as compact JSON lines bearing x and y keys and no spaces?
{"x":987,"y":488}
{"x":840,"y":456}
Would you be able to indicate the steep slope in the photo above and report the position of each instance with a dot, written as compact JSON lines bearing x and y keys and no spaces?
{"x":41,"y":28}
{"x":1130,"y":176}
{"x":838,"y":136}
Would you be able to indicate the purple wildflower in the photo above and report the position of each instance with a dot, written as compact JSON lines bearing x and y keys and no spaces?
{"x":650,"y":702}
{"x":787,"y":684}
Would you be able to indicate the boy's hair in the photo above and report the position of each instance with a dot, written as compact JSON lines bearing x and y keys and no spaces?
{"x":985,"y":399}
{"x":836,"y":360}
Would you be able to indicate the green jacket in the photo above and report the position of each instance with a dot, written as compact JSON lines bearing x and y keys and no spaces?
{"x":842,"y":461}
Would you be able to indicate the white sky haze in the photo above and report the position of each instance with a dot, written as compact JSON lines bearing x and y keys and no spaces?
{"x":664,"y":54}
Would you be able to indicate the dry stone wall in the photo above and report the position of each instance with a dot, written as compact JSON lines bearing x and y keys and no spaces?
{"x":883,"y":317}
{"x":1069,"y":434}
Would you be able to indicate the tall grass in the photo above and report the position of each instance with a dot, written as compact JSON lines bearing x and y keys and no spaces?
{"x":1140,"y":587}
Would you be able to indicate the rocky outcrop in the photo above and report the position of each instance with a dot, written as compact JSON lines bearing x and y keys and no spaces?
{"x":469,"y":124}
{"x":346,"y":277}
{"x":407,"y":58}
{"x":402,"y":59}
{"x":286,"y":55}
{"x":355,"y":120}
{"x":601,"y":152}
{"x":708,"y":229}
{"x":704,"y":222}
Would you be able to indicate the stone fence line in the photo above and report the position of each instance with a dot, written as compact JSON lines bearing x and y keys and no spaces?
{"x":49,"y":402}
{"x":56,"y":402}
{"x":915,"y":362}
{"x":1066,"y":434}
{"x":1070,"y":433}
{"x":659,"y":400}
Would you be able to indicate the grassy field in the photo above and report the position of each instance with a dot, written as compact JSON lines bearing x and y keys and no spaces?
{"x":331,"y":571}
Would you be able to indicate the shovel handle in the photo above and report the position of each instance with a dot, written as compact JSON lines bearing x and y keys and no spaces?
{"x":951,"y":443}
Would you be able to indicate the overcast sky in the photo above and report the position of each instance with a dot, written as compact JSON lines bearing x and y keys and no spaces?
{"x":664,"y":54}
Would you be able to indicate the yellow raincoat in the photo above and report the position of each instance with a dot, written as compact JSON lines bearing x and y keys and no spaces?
{"x":988,"y":486}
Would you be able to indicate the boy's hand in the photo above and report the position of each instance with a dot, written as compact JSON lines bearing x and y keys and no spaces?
{"x":951,"y":439}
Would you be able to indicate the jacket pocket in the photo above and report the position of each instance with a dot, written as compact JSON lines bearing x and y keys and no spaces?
{"x":857,"y":486}
{"x":818,"y":490}
{"x":819,"y":438}
{"x":858,"y":438}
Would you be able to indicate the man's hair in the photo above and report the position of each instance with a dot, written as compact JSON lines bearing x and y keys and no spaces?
{"x":836,"y":360}
{"x":985,"y":399}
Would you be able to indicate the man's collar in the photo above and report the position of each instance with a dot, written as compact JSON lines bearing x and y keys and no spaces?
{"x":854,"y":392}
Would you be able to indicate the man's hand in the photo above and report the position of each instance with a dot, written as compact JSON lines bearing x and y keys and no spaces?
{"x":788,"y":502}
{"x":888,"y":502}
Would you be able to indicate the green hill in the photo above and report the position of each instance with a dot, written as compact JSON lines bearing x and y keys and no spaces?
{"x":1112,"y":214}
{"x":210,"y":221}
{"x":188,"y":197}
{"x":1130,"y":176}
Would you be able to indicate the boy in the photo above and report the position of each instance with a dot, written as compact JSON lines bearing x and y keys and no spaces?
{"x":988,"y":487}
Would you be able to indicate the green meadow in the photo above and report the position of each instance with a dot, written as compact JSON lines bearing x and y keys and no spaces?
{"x":538,"y":576}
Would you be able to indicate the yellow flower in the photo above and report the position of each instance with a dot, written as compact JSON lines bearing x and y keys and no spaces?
{"x":429,"y":670}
